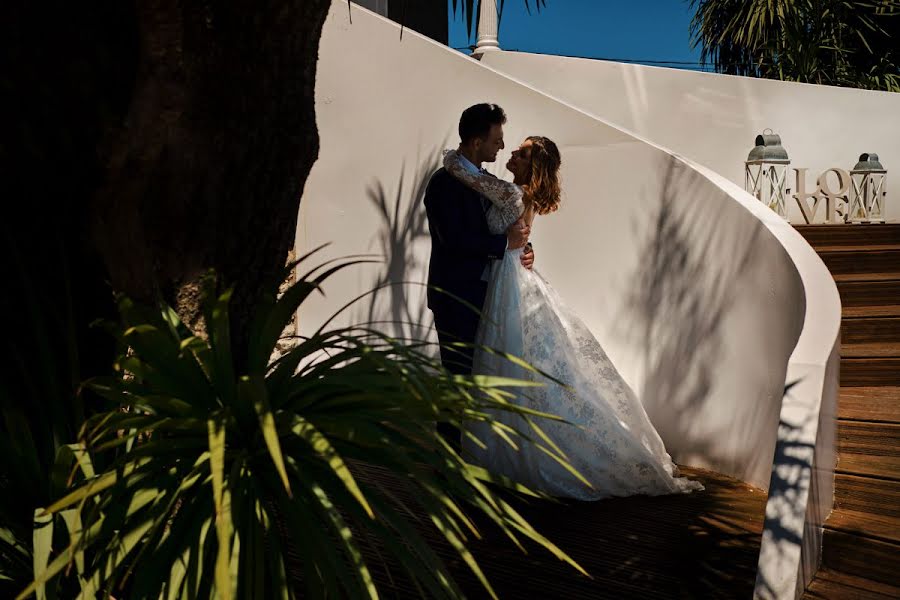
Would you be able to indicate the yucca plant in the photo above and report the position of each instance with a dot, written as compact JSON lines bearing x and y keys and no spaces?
{"x":216,"y":467}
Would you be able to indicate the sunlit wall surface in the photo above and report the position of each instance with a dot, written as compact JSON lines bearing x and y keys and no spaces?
{"x":714,"y":119}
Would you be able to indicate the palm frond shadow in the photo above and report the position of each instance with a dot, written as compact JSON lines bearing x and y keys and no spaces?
{"x":791,"y":472}
{"x":677,"y":301}
{"x":680,"y":281}
{"x":397,"y":301}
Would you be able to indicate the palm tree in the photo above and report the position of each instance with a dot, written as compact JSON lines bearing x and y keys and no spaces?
{"x":831,"y":42}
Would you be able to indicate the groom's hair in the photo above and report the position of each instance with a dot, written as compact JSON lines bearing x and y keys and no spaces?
{"x":476,"y":121}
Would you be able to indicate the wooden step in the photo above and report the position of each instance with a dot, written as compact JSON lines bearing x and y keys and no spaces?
{"x":886,"y":310}
{"x":869,"y":449}
{"x":870,"y":330}
{"x":860,"y":248}
{"x":870,"y":404}
{"x":863,"y":437}
{"x":857,"y":371}
{"x":870,"y":290}
{"x":850,"y":235}
{"x":870,"y":350}
{"x":886,"y":467}
{"x":883,"y":259}
{"x":835,"y":585}
{"x":867,"y":495}
{"x":853,"y":553}
{"x":885,"y":528}
{"x":886,"y":276}
{"x":874,"y":535}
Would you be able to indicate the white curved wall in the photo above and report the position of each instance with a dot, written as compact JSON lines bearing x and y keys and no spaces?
{"x":713,"y":119}
{"x":675,"y":269}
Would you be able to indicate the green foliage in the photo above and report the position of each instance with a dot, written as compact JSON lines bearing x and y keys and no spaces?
{"x":215,"y":470}
{"x":833,"y":42}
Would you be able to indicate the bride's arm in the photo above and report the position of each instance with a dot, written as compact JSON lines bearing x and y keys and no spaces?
{"x":502,"y":194}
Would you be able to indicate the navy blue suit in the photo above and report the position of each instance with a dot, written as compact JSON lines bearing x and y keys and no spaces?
{"x":461,"y":248}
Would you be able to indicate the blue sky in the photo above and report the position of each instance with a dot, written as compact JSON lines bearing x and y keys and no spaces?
{"x":640,"y":30}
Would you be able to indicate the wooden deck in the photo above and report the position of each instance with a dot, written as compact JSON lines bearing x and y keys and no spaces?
{"x":700,"y":545}
{"x":861,"y":549}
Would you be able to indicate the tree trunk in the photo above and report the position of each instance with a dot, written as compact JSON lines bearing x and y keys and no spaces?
{"x":173,"y":137}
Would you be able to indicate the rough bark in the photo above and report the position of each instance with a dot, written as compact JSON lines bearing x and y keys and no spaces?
{"x":175,"y":136}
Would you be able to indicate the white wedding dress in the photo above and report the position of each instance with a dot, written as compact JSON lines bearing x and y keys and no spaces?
{"x":608,"y":437}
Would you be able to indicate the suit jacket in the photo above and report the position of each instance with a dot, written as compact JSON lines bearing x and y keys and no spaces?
{"x":461,"y":243}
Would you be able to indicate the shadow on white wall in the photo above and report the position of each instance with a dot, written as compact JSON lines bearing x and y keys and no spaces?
{"x":396,"y":303}
{"x":675,"y":311}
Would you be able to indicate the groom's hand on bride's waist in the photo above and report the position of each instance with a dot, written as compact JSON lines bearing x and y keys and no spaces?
{"x":528,"y":257}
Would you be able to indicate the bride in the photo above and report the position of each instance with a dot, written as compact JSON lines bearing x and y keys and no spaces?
{"x":612,"y":444}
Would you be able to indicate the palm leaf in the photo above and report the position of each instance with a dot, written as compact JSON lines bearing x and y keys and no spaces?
{"x":255,"y":391}
{"x":221,"y":498}
{"x":43,"y":546}
{"x":323,"y":448}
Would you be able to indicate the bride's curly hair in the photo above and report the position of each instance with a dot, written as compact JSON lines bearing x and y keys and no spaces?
{"x":542,"y":190}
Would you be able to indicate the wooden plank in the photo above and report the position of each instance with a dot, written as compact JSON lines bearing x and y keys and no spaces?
{"x":867,"y":495}
{"x":885,"y":467}
{"x":869,"y":449}
{"x":870,"y":349}
{"x":870,"y":260}
{"x":884,"y":310}
{"x":835,"y":585}
{"x":869,"y":292}
{"x":851,"y":553}
{"x":870,"y":404}
{"x":871,"y":525}
{"x":870,"y":277}
{"x":854,"y":234}
{"x":871,"y":439}
{"x":885,"y":330}
{"x":856,"y":372}
{"x":857,"y":247}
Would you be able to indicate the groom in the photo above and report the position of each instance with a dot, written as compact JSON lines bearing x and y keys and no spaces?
{"x":462,"y":246}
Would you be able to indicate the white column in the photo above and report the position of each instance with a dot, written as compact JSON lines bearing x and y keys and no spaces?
{"x":487,"y":27}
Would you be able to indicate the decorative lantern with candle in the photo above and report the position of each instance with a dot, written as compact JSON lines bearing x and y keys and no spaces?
{"x":766,"y":170}
{"x":868,"y":190}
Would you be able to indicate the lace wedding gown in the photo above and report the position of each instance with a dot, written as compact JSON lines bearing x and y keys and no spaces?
{"x":608,"y":439}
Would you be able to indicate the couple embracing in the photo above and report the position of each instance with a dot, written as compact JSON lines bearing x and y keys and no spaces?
{"x":480,"y":257}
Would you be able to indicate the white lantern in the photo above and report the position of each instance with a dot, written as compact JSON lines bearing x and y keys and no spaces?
{"x":868,"y":190}
{"x":766,"y":170}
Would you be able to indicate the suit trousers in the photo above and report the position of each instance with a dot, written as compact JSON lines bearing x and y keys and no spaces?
{"x":456,"y":322}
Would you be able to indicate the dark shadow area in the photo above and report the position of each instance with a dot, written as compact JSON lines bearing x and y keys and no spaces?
{"x":701,"y":545}
{"x":54,"y":288}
